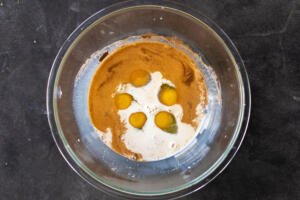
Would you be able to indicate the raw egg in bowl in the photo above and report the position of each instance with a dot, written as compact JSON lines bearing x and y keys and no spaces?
{"x":148,"y":100}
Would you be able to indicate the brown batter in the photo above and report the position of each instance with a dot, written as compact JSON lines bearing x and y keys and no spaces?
{"x":116,"y":68}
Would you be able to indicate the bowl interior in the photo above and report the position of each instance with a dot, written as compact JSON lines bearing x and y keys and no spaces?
{"x":96,"y":162}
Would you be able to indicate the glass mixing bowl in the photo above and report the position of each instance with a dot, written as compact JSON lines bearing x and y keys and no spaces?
{"x":197,"y":164}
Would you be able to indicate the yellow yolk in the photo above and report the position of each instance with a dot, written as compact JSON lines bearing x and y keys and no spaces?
{"x":123,"y":100}
{"x":137,"y":120}
{"x":166,"y":122}
{"x":139,"y":78}
{"x":167,"y":95}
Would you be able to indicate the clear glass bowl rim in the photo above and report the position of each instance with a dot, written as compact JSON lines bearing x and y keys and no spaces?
{"x":230,"y":153}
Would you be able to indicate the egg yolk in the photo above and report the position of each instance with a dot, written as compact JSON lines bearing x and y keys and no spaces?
{"x":137,"y":120}
{"x":139,"y":78}
{"x":167,"y":95}
{"x":166,"y":122}
{"x":123,"y":100}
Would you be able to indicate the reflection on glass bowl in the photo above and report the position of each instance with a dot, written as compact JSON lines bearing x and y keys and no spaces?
{"x":188,"y":170}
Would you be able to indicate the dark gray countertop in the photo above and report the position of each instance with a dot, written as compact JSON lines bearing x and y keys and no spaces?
{"x":267,"y":34}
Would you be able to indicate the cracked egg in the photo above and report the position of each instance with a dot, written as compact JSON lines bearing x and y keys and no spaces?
{"x":146,"y":97}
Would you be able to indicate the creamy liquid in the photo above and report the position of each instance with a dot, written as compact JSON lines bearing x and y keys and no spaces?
{"x":166,"y":64}
{"x":150,"y":141}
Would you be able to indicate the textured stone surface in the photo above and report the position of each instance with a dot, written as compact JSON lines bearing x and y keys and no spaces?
{"x":267,"y":34}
